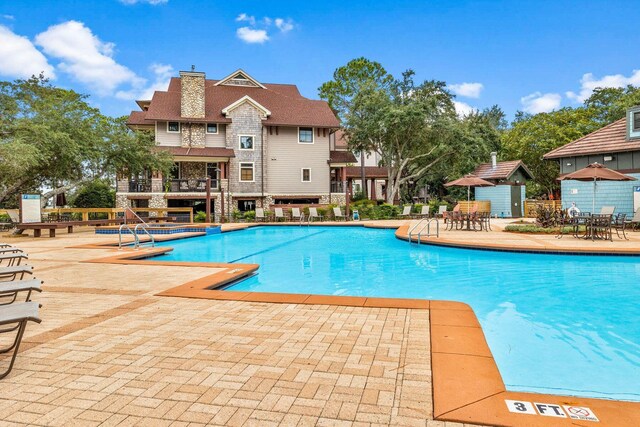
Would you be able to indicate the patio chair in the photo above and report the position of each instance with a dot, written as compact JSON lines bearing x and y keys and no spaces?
{"x":485,"y":221}
{"x":337,"y":214}
{"x":280,"y":214}
{"x":619,"y":223}
{"x":634,"y":222}
{"x":260,"y":215}
{"x":16,"y":316}
{"x":406,"y":212}
{"x":448,"y":215}
{"x":12,"y":273}
{"x":13,"y":288}
{"x":424,"y":212}
{"x":607,"y":210}
{"x":296,"y":215}
{"x":313,"y":214}
{"x":10,"y":260}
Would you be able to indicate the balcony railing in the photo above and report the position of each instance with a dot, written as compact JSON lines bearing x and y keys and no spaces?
{"x":190,"y":185}
{"x":140,"y":186}
{"x":337,"y":187}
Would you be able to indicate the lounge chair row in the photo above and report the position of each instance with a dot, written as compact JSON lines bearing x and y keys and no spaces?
{"x":297,"y":215}
{"x":16,"y":312}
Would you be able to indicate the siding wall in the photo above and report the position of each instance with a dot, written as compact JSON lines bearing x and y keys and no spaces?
{"x":165,"y":138}
{"x":217,"y":139}
{"x":608,"y":193}
{"x":620,"y":161}
{"x":500,"y":198}
{"x":285,"y":158}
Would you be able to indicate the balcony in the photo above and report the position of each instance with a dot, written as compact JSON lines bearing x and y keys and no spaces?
{"x":140,"y":186}
{"x":190,"y":185}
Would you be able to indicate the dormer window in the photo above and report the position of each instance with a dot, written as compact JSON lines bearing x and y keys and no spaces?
{"x":636,"y":121}
{"x":633,"y":123}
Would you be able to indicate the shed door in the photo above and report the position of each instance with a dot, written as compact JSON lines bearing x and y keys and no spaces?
{"x":516,"y":202}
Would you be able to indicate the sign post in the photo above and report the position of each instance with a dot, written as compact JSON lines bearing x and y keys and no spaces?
{"x":30,"y":209}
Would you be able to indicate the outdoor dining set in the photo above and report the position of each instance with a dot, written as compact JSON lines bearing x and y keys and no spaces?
{"x":600,"y":226}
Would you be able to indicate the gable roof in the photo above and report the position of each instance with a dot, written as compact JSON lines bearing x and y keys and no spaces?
{"x":503,"y":170}
{"x":285,"y":103}
{"x":246,"y":99}
{"x":240,"y":74}
{"x":341,"y":156}
{"x":609,"y":139}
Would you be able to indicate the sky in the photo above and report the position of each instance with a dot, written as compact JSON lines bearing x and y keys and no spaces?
{"x":532,"y":56}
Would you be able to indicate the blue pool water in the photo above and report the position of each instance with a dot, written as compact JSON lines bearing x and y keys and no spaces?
{"x":559,"y":324}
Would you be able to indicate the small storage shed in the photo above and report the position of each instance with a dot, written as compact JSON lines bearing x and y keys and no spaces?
{"x":508,"y":195}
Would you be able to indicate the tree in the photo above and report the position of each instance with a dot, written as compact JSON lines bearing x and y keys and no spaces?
{"x":610,"y":104}
{"x":96,"y":194}
{"x":51,"y":138}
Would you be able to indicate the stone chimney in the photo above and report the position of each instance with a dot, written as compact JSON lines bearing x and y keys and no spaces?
{"x":192,"y":94}
{"x":494,"y":159}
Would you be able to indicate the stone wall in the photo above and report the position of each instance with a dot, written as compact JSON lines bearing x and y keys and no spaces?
{"x":122,"y":201}
{"x":193,"y":170}
{"x":192,"y":98}
{"x":193,"y":135}
{"x":245,"y":121}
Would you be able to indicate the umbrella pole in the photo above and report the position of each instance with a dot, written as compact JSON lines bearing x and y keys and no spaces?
{"x":468,"y":207}
{"x":593,"y":205}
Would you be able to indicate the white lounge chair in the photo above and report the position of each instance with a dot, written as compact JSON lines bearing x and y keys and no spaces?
{"x":16,"y":316}
{"x":280,"y":214}
{"x":406,"y":212}
{"x":313,"y":214}
{"x":337,"y":214}
{"x":441,"y":210}
{"x":13,"y":259}
{"x":424,"y":212}
{"x":12,"y":273}
{"x":607,"y":210}
{"x":296,"y":215}
{"x":260,"y":215}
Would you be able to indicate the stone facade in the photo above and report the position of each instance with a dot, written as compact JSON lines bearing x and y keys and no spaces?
{"x":192,"y":98}
{"x":122,"y":201}
{"x":246,"y":121}
{"x":193,"y":135}
{"x":193,"y":170}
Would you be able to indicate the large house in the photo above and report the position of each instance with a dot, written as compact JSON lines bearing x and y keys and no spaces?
{"x":260,"y":144}
{"x":616,"y":146}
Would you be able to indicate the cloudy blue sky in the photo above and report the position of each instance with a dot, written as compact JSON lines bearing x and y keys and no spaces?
{"x":522,"y":55}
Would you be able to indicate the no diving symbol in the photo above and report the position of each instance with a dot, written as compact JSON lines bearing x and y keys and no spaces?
{"x":578,"y":411}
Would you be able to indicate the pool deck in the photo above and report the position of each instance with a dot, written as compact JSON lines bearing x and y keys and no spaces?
{"x":113,"y":351}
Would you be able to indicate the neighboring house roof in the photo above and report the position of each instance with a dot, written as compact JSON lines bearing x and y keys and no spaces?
{"x":340,"y":156}
{"x":341,"y":139}
{"x":199,"y":152}
{"x":284,"y":102}
{"x":503,"y":170}
{"x":369,"y":172}
{"x":609,"y":139}
{"x":137,"y":118}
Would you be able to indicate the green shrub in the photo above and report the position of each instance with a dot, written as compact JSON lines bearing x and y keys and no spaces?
{"x":417,"y":208}
{"x":237,"y":215}
{"x":5,"y":218}
{"x":200,"y":217}
{"x":96,"y":194}
{"x":535,"y":229}
{"x":358,"y":195}
{"x":250,"y":216}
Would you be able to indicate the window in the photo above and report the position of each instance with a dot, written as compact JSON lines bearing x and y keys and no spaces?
{"x":175,"y":171}
{"x":306,"y":175}
{"x":246,"y":205}
{"x":212,"y":171}
{"x":173,"y":127}
{"x":212,"y":128}
{"x":246,"y":142}
{"x":246,"y":172}
{"x":305,"y":135}
{"x":636,"y":121}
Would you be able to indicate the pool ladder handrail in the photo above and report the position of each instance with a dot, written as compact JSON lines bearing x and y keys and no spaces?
{"x":136,"y":238}
{"x":426,"y":223}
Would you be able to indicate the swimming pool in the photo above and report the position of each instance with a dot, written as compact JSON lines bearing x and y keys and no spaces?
{"x":559,"y":324}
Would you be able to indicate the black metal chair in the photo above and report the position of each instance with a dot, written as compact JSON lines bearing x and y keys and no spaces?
{"x":619,"y":223}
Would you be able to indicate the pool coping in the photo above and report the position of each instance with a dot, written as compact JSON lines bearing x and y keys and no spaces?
{"x":466,"y":383}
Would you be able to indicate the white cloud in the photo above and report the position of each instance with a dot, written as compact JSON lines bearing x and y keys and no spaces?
{"x":284,"y":26}
{"x":468,"y":90}
{"x":162,"y":75}
{"x":151,"y":2}
{"x":250,"y":35}
{"x":540,"y":103}
{"x":85,"y":57}
{"x":463,"y":109}
{"x":20,"y":58}
{"x":9,"y":17}
{"x":589,"y":82}
{"x":243,"y":17}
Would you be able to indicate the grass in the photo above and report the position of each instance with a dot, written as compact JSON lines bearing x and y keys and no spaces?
{"x":535,"y":229}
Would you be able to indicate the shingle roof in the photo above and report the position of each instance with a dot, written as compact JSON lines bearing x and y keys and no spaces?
{"x":137,"y":118}
{"x":287,"y":106}
{"x":609,"y":139}
{"x":341,"y":138}
{"x":199,"y":152}
{"x":342,"y":156}
{"x":503,"y":170}
{"x":369,"y":172}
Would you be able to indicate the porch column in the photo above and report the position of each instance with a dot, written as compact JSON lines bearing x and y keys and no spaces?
{"x":343,"y":171}
{"x":373,"y":190}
